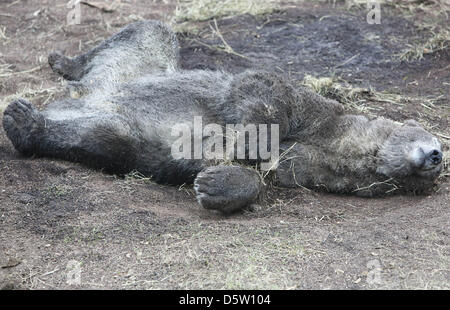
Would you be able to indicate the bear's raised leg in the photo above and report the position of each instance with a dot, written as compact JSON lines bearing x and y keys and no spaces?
{"x":227,"y":188}
{"x":90,"y":140}
{"x":139,"y":48}
{"x":71,"y":69}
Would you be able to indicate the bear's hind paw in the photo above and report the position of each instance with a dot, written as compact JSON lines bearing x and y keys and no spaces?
{"x":227,"y":188}
{"x":22,"y":124}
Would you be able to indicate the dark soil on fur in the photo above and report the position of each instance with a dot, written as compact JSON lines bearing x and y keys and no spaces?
{"x":130,"y":233}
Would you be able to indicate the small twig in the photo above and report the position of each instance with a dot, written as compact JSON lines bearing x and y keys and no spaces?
{"x":347,"y":61}
{"x":49,"y":273}
{"x":52,"y":286}
{"x":442,"y":136}
{"x":378,"y":183}
{"x":12,"y":3}
{"x":22,"y":72}
{"x":227,"y":47}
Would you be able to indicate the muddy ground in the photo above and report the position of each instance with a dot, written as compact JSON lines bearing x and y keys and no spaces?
{"x":128,"y":233}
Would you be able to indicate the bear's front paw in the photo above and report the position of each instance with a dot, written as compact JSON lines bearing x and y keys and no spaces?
{"x":227,"y":188}
{"x":64,"y":66}
{"x":22,"y":124}
{"x":58,"y":63}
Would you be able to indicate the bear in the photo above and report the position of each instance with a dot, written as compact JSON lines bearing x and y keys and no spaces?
{"x":126,"y":95}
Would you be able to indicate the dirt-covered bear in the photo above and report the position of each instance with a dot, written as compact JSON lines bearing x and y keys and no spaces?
{"x":128,"y":93}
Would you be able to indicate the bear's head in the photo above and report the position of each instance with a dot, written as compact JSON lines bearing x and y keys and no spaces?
{"x":410,"y":151}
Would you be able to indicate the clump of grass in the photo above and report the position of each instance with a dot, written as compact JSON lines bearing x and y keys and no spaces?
{"x":433,"y":20}
{"x":57,"y":191}
{"x":331,"y":88}
{"x":353,"y":97}
{"x":424,"y":5}
{"x":439,"y":40}
{"x":202,"y":10}
{"x":405,"y":4}
{"x":136,"y":176}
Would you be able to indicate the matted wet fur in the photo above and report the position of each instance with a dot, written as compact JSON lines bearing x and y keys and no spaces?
{"x":126,"y":95}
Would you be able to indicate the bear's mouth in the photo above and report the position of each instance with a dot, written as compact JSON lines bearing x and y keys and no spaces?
{"x":428,"y":171}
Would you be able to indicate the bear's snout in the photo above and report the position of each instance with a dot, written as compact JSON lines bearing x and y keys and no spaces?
{"x":425,"y":157}
{"x":429,"y":159}
{"x":435,"y":156}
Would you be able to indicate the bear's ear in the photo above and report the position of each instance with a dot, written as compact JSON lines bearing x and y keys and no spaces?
{"x":412,"y":123}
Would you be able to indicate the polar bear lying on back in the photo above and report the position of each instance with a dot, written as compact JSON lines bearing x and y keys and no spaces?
{"x":127,"y":94}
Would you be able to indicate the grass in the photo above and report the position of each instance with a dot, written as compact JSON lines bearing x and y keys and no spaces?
{"x":428,"y":16}
{"x":30,"y":94}
{"x":188,"y":12}
{"x":433,"y":23}
{"x":55,"y":191}
{"x":5,"y":70}
{"x":439,"y":40}
{"x":410,"y":5}
{"x":356,"y":97}
{"x":232,"y":260}
{"x":202,"y":10}
{"x":352,"y":97}
{"x":423,"y":5}
{"x":28,"y":91}
{"x":435,"y":14}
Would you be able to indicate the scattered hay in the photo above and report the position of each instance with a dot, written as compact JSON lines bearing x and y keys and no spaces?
{"x":410,"y":5}
{"x":435,"y":11}
{"x":356,"y":97}
{"x":137,"y":177}
{"x":353,"y":97}
{"x":8,"y":73}
{"x":29,"y":94}
{"x":438,"y":41}
{"x":202,"y":10}
{"x":423,"y":5}
{"x":3,"y":36}
{"x":5,"y":70}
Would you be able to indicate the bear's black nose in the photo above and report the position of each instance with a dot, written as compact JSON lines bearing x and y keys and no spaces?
{"x":435,"y":156}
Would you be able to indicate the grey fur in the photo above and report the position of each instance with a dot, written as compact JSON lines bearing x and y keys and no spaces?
{"x":128,"y":93}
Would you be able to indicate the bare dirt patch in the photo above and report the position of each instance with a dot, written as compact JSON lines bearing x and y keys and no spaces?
{"x":131,"y":233}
